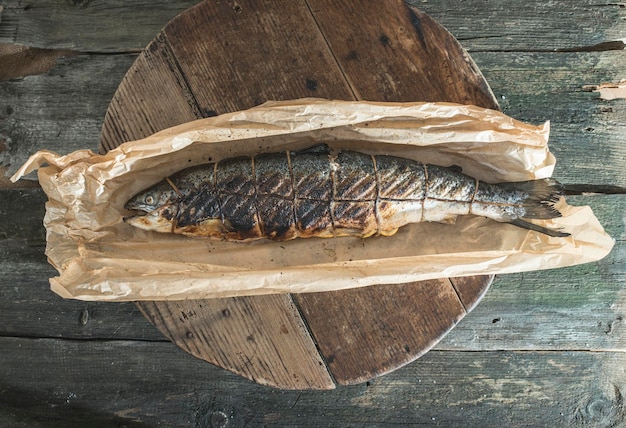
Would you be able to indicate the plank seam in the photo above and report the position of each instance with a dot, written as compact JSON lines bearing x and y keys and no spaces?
{"x":458,"y":296}
{"x":77,"y":339}
{"x":294,"y":302}
{"x":185,"y":86}
{"x":350,"y":84}
{"x":435,"y":349}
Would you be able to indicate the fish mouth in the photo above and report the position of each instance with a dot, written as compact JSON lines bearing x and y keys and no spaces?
{"x":152,"y":221}
{"x":138,"y":207}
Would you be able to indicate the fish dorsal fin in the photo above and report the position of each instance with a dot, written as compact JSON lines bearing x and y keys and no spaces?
{"x":321,"y":148}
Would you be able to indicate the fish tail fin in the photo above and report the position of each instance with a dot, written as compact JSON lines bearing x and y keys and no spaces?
{"x":538,"y":197}
{"x":538,"y":202}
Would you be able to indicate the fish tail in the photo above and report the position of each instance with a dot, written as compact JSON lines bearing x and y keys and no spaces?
{"x":537,"y":199}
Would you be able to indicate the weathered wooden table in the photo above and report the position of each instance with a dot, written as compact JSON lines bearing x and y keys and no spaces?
{"x":542,"y":349}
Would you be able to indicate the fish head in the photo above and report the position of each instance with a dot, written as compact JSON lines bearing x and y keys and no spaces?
{"x":153,"y":198}
{"x":156,"y":208}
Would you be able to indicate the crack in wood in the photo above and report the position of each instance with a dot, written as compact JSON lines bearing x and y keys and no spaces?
{"x":613,"y":45}
{"x":593,"y":189}
{"x":320,"y":354}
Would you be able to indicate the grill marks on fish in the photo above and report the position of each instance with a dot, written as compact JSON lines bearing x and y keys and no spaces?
{"x":313,"y":192}
{"x":274,"y":196}
{"x":353,"y":207}
{"x":313,"y":176}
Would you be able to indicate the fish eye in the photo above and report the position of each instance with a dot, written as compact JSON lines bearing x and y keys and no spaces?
{"x":149,"y":199}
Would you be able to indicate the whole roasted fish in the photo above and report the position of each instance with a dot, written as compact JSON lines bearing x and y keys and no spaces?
{"x":318,"y":193}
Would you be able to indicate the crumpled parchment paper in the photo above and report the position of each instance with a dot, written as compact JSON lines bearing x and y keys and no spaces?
{"x":99,"y":257}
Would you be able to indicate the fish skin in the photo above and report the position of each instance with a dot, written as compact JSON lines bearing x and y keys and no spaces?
{"x":316,"y":193}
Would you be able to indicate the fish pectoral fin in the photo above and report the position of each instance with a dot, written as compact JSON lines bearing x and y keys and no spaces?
{"x":212,"y":227}
{"x":318,"y":148}
{"x":150,"y":222}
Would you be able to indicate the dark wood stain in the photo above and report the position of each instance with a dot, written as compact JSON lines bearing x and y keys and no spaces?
{"x":311,"y":84}
{"x":417,"y":26}
{"x":352,"y":56}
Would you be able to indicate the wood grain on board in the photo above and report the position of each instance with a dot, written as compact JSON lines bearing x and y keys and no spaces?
{"x":363,"y":335}
{"x":225,"y":56}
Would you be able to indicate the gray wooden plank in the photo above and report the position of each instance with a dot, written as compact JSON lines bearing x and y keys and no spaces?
{"x":22,"y":211}
{"x":29,"y":309}
{"x":536,"y":87}
{"x":494,"y":25}
{"x":72,"y":383}
{"x":88,"y":26}
{"x":481,"y":25}
{"x":61,"y":111}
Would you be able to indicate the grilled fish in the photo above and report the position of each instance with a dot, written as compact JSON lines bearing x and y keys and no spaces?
{"x":318,"y":193}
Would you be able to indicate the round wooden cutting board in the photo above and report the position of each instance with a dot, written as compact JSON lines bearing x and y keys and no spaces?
{"x":223,"y":56}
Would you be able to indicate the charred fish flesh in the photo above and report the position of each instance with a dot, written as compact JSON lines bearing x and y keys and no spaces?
{"x":318,"y":193}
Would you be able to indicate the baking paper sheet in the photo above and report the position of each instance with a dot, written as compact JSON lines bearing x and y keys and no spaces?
{"x":99,"y":257}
